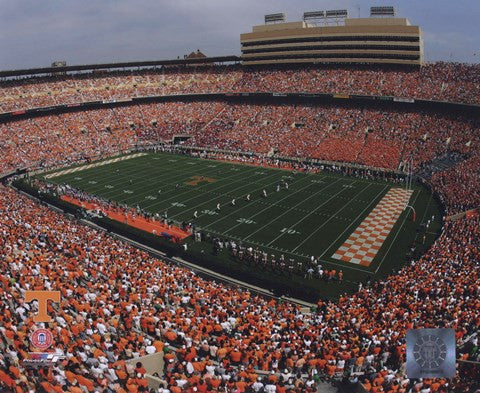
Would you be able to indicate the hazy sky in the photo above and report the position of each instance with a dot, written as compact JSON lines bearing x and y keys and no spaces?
{"x":37,"y":32}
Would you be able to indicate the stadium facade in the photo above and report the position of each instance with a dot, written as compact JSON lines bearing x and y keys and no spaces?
{"x":359,"y":40}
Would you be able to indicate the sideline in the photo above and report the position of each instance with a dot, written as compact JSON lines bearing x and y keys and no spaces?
{"x":202,"y":271}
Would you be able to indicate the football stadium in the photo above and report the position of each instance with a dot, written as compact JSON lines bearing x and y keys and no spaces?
{"x":302,"y":215}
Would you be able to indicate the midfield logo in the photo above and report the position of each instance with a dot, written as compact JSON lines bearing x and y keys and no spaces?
{"x":196,"y":180}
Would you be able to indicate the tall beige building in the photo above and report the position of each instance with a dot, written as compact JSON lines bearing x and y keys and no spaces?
{"x":361,"y":40}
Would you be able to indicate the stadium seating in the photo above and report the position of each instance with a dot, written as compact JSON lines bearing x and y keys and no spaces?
{"x":147,"y":311}
{"x":374,"y":138}
{"x":119,"y":302}
{"x":453,"y":82}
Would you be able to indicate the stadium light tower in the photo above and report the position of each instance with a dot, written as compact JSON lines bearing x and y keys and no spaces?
{"x":335,"y":16}
{"x":275,"y":18}
{"x":388,"y":12}
{"x":314,"y":17}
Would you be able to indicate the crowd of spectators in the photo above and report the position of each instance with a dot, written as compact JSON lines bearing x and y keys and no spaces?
{"x":48,"y":91}
{"x":453,"y":82}
{"x":458,"y":186}
{"x":119,"y":303}
{"x":383,"y":139}
{"x":374,"y":138}
{"x":62,"y":139}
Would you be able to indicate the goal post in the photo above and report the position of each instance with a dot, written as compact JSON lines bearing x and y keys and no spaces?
{"x":414,"y":215}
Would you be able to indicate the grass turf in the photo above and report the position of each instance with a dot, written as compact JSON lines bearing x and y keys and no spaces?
{"x":313,"y":217}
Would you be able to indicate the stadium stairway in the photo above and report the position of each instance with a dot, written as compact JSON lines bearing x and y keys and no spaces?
{"x":440,"y":164}
{"x":213,"y":118}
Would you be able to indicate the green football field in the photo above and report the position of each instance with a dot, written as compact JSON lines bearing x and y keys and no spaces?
{"x":314,"y":216}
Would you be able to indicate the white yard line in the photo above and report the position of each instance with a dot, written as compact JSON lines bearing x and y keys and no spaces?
{"x":356,"y":218}
{"x":117,"y":183}
{"x":238,"y":197}
{"x":198,"y":188}
{"x":426,"y":209}
{"x":396,"y":235}
{"x":338,"y":211}
{"x":93,"y":165}
{"x":294,"y":206}
{"x":313,"y":211}
{"x":254,"y":202}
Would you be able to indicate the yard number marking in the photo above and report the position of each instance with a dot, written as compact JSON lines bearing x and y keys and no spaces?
{"x":245,"y":221}
{"x":209,"y":212}
{"x":290,"y":231}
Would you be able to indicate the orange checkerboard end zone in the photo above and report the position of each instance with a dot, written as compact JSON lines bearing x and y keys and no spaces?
{"x":365,"y":242}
